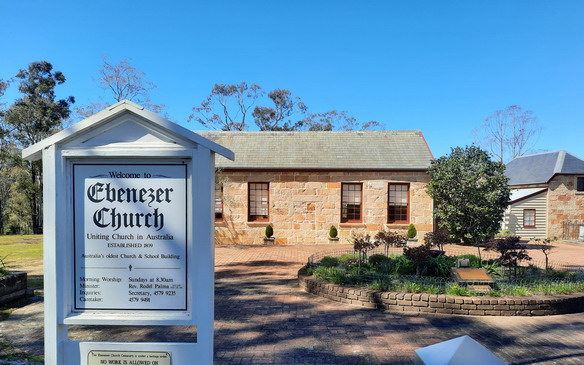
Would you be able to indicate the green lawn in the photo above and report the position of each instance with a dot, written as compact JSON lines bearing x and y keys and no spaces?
{"x":21,"y":253}
{"x":24,"y":253}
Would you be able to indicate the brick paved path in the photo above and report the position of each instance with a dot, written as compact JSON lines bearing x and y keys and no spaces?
{"x":263,"y":318}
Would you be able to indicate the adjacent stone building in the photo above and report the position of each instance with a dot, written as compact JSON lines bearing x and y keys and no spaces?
{"x":547,"y":197}
{"x":303,"y":182}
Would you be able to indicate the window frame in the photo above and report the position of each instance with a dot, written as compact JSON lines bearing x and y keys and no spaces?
{"x":578,"y":180}
{"x":220,"y":219}
{"x":534,"y":218}
{"x":389,"y":220}
{"x":255,"y":218}
{"x":348,"y":220}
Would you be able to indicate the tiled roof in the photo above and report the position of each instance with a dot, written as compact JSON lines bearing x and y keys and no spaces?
{"x":379,"y":150}
{"x":541,"y":167}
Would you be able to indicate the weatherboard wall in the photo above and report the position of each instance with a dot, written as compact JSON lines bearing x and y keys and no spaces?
{"x":514,"y":217}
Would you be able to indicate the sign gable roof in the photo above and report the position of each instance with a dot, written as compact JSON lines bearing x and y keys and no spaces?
{"x":102,"y":118}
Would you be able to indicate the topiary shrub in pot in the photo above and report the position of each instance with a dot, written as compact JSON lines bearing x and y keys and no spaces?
{"x":412,"y":232}
{"x":333,"y":233}
{"x":269,"y":238}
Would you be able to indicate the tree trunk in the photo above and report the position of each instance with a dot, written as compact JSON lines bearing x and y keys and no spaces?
{"x":480,"y":257}
{"x":1,"y":217}
{"x":36,"y":200}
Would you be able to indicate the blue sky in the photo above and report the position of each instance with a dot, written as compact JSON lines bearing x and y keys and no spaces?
{"x":438,"y":66}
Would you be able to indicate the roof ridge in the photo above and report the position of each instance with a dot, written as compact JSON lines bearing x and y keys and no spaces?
{"x":294,"y":132}
{"x":539,"y":153}
{"x":559,"y":162}
{"x":573,"y":155}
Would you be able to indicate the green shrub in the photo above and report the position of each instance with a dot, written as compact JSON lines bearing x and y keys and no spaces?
{"x":409,"y":286}
{"x":381,"y":285}
{"x":354,"y":262}
{"x":455,"y":289}
{"x":329,"y":261}
{"x":556,"y":274}
{"x":269,"y":231}
{"x":504,"y":233}
{"x":333,"y":232}
{"x":493,"y":267}
{"x":378,"y":259}
{"x":440,"y":266}
{"x":412,"y":232}
{"x":513,"y":290}
{"x":403,"y":266}
{"x":347,"y":256}
{"x":336,"y":275}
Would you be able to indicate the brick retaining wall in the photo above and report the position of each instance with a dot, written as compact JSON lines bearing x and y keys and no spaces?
{"x":445,"y":304}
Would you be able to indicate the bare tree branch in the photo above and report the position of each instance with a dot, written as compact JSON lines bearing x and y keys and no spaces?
{"x":508,"y":133}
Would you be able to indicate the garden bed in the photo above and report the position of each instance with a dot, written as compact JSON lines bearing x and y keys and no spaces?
{"x":397,"y":282}
{"x":441,"y":303}
{"x":13,"y":286}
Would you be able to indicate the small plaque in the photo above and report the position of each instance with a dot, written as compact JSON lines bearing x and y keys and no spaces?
{"x":96,"y":357}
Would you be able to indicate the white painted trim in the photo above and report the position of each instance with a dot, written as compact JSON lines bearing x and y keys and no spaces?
{"x":55,"y":332}
{"x":129,"y":152}
{"x":34,"y":152}
{"x":135,"y":318}
{"x":203,"y":231}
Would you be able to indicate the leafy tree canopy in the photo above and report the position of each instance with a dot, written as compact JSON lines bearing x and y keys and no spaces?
{"x":228,"y":106}
{"x":279,"y":116}
{"x":470,"y":194}
{"x":33,"y":117}
{"x":37,"y":114}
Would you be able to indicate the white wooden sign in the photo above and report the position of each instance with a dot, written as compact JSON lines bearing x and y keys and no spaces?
{"x":128,"y":236}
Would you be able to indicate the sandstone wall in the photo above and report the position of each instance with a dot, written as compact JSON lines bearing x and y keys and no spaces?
{"x":303,"y":205}
{"x":564,"y":204}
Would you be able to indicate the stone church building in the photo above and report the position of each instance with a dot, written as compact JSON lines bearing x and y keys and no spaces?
{"x":303,"y":182}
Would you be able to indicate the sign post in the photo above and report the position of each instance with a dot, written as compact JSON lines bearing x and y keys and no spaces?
{"x":128,"y":235}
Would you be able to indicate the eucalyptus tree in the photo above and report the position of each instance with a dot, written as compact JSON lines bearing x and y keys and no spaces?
{"x":228,"y":108}
{"x":33,"y":117}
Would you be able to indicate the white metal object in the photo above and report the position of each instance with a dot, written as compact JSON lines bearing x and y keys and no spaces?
{"x":458,"y":351}
{"x":111,"y":153}
{"x":463,"y":263}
